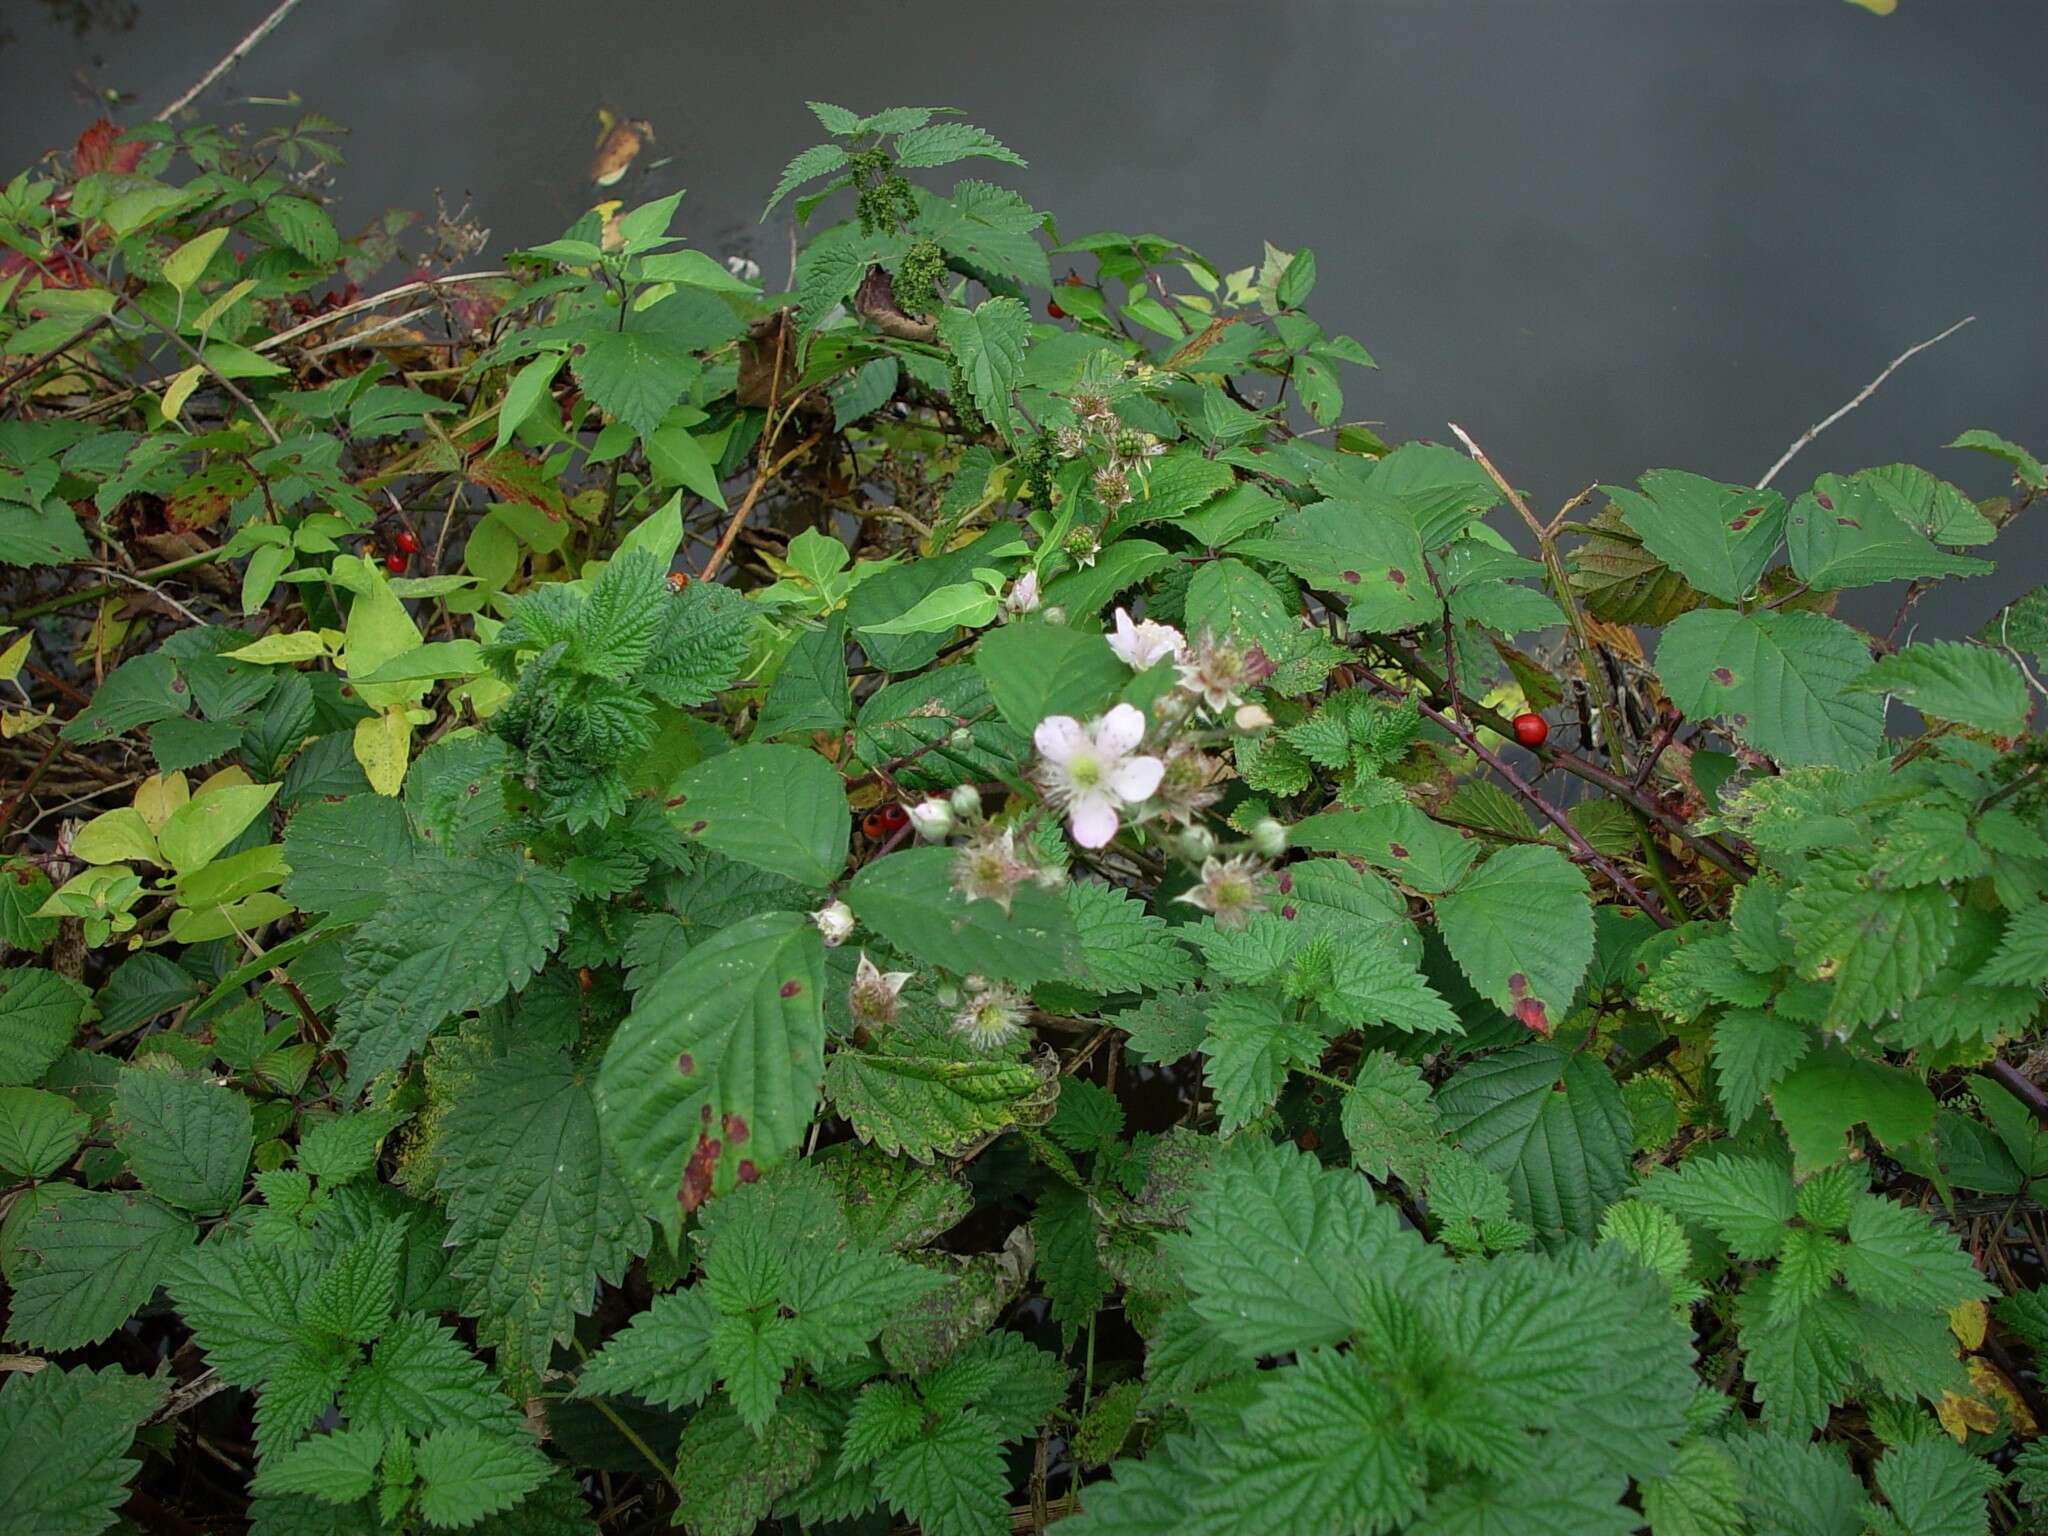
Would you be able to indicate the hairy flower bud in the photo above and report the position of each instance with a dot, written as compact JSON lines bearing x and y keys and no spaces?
{"x":1251,"y":718}
{"x":1197,"y":844}
{"x":932,"y":820}
{"x":966,"y":802}
{"x":1054,"y":614}
{"x":835,"y":922}
{"x":1269,"y":837}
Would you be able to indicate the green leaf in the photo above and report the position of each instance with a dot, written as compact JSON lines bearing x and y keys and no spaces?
{"x":814,"y":162}
{"x":1935,"y":1487}
{"x":1395,"y":837}
{"x":1276,"y":1246}
{"x":677,"y":458}
{"x":926,"y":1105}
{"x":1879,"y":946}
{"x":779,"y":808}
{"x":457,"y":934}
{"x":241,"y":1301}
{"x":38,"y":1132}
{"x":1700,"y":1496}
{"x":810,"y":692}
{"x":536,"y":1210}
{"x":1801,"y":1360}
{"x":1952,"y":681}
{"x":988,"y":345}
{"x":187,"y":264}
{"x":1752,"y":1053}
{"x":713,"y":1076}
{"x":1124,"y":948}
{"x":343,"y":852}
{"x":1034,"y":669}
{"x":1831,"y":1091}
{"x":917,"y":718}
{"x":1250,"y":1047}
{"x":633,"y":376}
{"x":731,"y":1477}
{"x":1781,"y":677}
{"x":188,"y":1141}
{"x":465,"y":1475}
{"x":1797,"y":1487}
{"x":141,"y":690}
{"x":529,"y":386}
{"x":1521,"y":929}
{"x":420,"y":1378}
{"x":950,"y":1481}
{"x":64,"y":1439}
{"x":2025,"y":467}
{"x":85,"y":1264}
{"x":908,"y":898}
{"x":1849,"y":533}
{"x":339,"y":1467}
{"x":663,"y":1355}
{"x":942,"y":611}
{"x":2022,"y":958}
{"x":1069,"y":1267}
{"x":1745,"y":1201}
{"x":1898,"y":1258}
{"x":1365,"y":549}
{"x":39,"y":1012}
{"x":943,"y":143}
{"x":1553,"y":1126}
{"x":1718,"y":537}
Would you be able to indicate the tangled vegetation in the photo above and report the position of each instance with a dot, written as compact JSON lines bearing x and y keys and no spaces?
{"x":943,"y":900}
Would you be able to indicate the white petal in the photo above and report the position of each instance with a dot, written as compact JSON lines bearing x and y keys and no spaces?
{"x":1126,"y":644}
{"x":1136,"y":778}
{"x":1119,"y":731}
{"x":1059,"y":737}
{"x":1093,"y":818}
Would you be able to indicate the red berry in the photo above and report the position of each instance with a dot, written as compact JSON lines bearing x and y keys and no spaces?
{"x":395,"y":563}
{"x":872,"y":824}
{"x":408,"y":541}
{"x":894,"y":817}
{"x":1054,"y":312}
{"x":1531,"y":729}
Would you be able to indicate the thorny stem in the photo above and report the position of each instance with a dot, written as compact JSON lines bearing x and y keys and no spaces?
{"x":766,"y":473}
{"x":1584,"y":851}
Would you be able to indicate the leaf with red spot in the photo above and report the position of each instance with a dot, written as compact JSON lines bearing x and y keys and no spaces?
{"x":1718,"y":537}
{"x":1364,"y":548}
{"x":1521,"y":928}
{"x":723,"y":1051}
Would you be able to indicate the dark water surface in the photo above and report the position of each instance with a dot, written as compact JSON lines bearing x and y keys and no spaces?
{"x":1601,"y":234}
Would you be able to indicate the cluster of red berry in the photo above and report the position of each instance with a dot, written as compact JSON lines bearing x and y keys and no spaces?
{"x":885,"y":821}
{"x":405,"y":544}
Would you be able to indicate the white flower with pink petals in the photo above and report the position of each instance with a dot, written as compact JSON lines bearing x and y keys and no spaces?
{"x":1093,"y":771}
{"x":1141,"y":643}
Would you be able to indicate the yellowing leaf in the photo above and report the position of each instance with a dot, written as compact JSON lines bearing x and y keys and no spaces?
{"x":116,"y":837}
{"x":1993,"y":1386}
{"x":1877,"y":7}
{"x":383,"y":746}
{"x":184,"y":266}
{"x":180,"y":390}
{"x":379,"y":629}
{"x":159,"y":795}
{"x":15,"y":654}
{"x":1966,"y":1321}
{"x":298,"y":645}
{"x":221,"y":305}
{"x":1960,"y":1415}
{"x":207,"y":823}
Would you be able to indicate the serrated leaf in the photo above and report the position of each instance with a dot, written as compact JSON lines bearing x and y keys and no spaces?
{"x":943,"y":143}
{"x":1952,"y":681}
{"x":779,"y":808}
{"x":1846,"y":532}
{"x":339,"y":1467}
{"x":1830,"y":1092}
{"x":1879,"y":947}
{"x":38,"y":1132}
{"x":1752,"y":1053}
{"x":633,"y":376}
{"x":1781,"y":678}
{"x":465,"y":1475}
{"x":1123,"y":947}
{"x":82,"y":1266}
{"x":39,"y":1011}
{"x":536,"y":1209}
{"x":1898,"y":1258}
{"x":1552,"y":1125}
{"x":188,"y":1141}
{"x":1521,"y":929}
{"x":818,"y":160}
{"x":922,"y":1106}
{"x":1719,"y":537}
{"x":988,"y":344}
{"x":64,"y":1439}
{"x":711,"y":1079}
{"x":459,"y":934}
{"x":1250,"y":1046}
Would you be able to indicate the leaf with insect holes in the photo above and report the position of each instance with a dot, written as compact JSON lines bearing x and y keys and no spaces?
{"x":1521,"y":929}
{"x":712,"y":1078}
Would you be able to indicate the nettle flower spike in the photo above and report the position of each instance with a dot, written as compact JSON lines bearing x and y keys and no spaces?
{"x":1091,"y":772}
{"x":992,"y":1015}
{"x":1141,"y":643}
{"x":872,"y":997}
{"x":1231,"y":890}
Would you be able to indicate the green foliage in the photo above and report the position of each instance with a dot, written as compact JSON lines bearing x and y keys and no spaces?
{"x":858,"y":908}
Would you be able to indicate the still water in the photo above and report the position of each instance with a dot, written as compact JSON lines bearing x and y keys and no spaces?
{"x":1601,"y":234}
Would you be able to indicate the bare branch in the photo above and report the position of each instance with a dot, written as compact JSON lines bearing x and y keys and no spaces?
{"x":1862,"y":395}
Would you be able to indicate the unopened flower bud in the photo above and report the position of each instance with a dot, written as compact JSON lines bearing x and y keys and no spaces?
{"x":932,"y":819}
{"x":966,"y":802}
{"x":1269,"y":837}
{"x":1197,"y":844}
{"x":1251,"y":717}
{"x":1054,"y":614}
{"x":835,"y":922}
